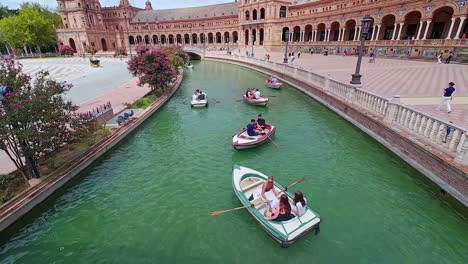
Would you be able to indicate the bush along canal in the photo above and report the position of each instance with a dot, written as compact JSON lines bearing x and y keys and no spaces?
{"x":149,"y":199}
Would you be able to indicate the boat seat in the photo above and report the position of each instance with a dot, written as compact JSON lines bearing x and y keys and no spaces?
{"x":248,"y":187}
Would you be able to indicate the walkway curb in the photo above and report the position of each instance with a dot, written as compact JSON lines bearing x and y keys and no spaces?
{"x":20,"y":205}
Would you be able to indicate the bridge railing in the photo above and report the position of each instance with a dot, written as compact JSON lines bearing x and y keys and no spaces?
{"x":445,"y":135}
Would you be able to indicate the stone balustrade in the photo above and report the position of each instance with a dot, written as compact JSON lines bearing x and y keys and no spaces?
{"x":427,"y":128}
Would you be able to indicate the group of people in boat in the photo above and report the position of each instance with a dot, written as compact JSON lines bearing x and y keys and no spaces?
{"x":198,"y":95}
{"x":273,"y":80}
{"x":253,"y":93}
{"x":254,"y":128}
{"x":281,"y":209}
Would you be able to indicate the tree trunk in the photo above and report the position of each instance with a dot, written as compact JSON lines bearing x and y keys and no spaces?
{"x":32,"y":167}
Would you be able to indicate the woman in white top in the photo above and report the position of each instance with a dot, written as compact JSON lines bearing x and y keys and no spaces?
{"x":299,"y":204}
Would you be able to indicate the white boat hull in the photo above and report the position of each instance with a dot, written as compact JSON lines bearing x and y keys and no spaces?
{"x":199,"y":104}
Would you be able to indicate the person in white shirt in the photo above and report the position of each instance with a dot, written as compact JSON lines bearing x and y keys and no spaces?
{"x":195,"y":95}
{"x":298,"y":207}
{"x":257,"y":94}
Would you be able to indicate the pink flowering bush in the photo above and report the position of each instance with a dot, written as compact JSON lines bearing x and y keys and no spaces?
{"x":66,"y":50}
{"x":35,"y":119}
{"x":152,"y":67}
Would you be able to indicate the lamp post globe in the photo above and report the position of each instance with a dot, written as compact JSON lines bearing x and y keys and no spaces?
{"x":365,"y":24}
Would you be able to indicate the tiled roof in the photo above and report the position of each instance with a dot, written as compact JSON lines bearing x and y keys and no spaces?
{"x":220,"y":10}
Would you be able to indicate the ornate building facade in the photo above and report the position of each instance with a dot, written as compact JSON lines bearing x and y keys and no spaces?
{"x":399,"y":27}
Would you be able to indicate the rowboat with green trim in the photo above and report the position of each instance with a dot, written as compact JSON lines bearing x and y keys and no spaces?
{"x":248,"y":182}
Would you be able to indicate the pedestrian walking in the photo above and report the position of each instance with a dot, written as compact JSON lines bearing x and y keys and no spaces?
{"x":449,"y":58}
{"x":372,"y":57}
{"x":447,"y":98}
{"x":439,"y":58}
{"x":299,"y":55}
{"x":292,"y":59}
{"x":268,"y":56}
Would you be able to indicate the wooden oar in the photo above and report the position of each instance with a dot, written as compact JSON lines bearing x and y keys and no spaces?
{"x":252,"y":205}
{"x":289,"y":186}
{"x":230,"y":210}
{"x":274,"y":143}
{"x":239,"y":100}
{"x":215,"y":100}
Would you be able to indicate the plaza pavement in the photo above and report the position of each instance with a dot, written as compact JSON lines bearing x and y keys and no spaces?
{"x":92,"y":86}
{"x":418,"y":83}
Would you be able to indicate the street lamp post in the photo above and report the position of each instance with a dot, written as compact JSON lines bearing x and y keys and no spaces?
{"x":228,"y":42}
{"x":286,"y":40}
{"x":126,"y":29}
{"x":356,"y":77}
{"x":157,"y":33}
{"x":252,"y":45}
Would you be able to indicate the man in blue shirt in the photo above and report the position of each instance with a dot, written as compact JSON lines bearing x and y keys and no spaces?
{"x":447,"y":98}
{"x":252,"y":128}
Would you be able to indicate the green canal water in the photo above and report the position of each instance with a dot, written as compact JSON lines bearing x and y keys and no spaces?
{"x":148,"y":200}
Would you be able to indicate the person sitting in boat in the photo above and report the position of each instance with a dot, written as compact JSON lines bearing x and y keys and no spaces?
{"x":261,"y":122}
{"x":252,"y":128}
{"x":257,"y":94}
{"x":274,"y":80}
{"x":201,"y":96}
{"x":282,"y":212}
{"x":195,"y":95}
{"x":247,"y":92}
{"x":269,"y":194}
{"x":298,"y":207}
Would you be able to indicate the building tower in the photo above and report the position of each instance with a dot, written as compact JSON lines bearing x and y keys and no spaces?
{"x":148,"y":5}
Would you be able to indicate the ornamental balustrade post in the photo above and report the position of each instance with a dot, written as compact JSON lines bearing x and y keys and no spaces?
{"x":419,"y":30}
{"x":428,"y":23}
{"x":449,"y":35}
{"x":462,"y":156}
{"x":393,"y":106}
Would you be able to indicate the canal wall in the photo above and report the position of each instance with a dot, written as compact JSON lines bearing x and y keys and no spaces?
{"x":415,"y":137}
{"x":21,"y":204}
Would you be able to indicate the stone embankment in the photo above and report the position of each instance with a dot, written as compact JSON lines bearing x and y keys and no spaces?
{"x":17,"y":207}
{"x":418,"y":138}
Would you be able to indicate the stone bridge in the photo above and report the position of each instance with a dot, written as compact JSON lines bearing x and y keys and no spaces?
{"x":195,"y":53}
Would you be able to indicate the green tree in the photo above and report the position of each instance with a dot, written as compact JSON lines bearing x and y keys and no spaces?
{"x":177,"y":57}
{"x":35,"y":119}
{"x":51,"y":17}
{"x":4,"y":11}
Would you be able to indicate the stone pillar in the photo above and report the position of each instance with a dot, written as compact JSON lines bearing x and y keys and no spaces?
{"x":373,"y":32}
{"x":378,"y":32}
{"x":394,"y":31}
{"x":460,"y":26}
{"x":339,"y":35}
{"x":421,"y":23}
{"x":401,"y":29}
{"x":301,"y":36}
{"x":392,"y":109}
{"x":327,"y":34}
{"x":359,"y":34}
{"x":342,"y":35}
{"x":462,"y":157}
{"x":315,"y":35}
{"x":449,"y":35}
{"x":428,"y":23}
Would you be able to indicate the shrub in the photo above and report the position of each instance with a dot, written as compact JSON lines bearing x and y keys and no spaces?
{"x":66,"y":50}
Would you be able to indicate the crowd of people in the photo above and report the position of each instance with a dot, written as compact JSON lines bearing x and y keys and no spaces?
{"x":281,"y":209}
{"x":198,"y":95}
{"x":255,"y":128}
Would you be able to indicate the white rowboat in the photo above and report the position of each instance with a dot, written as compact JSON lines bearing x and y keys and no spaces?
{"x":263,"y":101}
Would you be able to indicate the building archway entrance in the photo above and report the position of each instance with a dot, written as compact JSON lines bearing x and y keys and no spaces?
{"x":72,"y":44}
{"x":103,"y":44}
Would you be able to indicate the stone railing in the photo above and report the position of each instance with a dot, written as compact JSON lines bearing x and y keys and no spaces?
{"x":424,"y":126}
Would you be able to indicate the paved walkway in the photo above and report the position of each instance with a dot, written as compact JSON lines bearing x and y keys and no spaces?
{"x":419,"y":83}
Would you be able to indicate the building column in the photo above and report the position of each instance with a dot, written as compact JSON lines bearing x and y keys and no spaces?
{"x":378,"y":32}
{"x":399,"y":32}
{"x":315,"y":35}
{"x":373,"y":32}
{"x":428,"y":23}
{"x":301,"y":36}
{"x":359,"y":33}
{"x":394,"y":31}
{"x":460,"y":26}
{"x":339,"y":35}
{"x":421,"y":23}
{"x":449,"y":35}
{"x":291,"y":35}
{"x":343,"y":34}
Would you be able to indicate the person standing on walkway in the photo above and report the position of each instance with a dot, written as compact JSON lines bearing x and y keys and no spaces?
{"x":447,"y":98}
{"x":299,"y":54}
{"x":449,"y":58}
{"x":292,"y":58}
{"x":439,"y":58}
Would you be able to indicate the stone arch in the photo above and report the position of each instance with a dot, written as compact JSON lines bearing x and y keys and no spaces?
{"x":441,"y":21}
{"x":210,"y":38}
{"x":72,"y":44}
{"x":388,"y":27}
{"x":262,"y":13}
{"x":227,"y":39}
{"x":194,"y":38}
{"x":334,"y":31}
{"x":219,"y":38}
{"x":155,"y":39}
{"x":308,"y":33}
{"x":435,"y":9}
{"x":246,"y":37}
{"x":139,"y":39}
{"x":170,"y":39}
{"x":202,"y":38}
{"x":350,"y":29}
{"x":285,"y":34}
{"x":247,"y":15}
{"x":186,"y":39}
{"x":254,"y":14}
{"x":261,"y":35}
{"x":411,"y":26}
{"x":321,"y":32}
{"x":163,"y":39}
{"x":235,"y":37}
{"x":147,"y":40}
{"x":178,"y":39}
{"x":254,"y":36}
{"x":103,"y":44}
{"x":131,"y":40}
{"x":296,"y":34}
